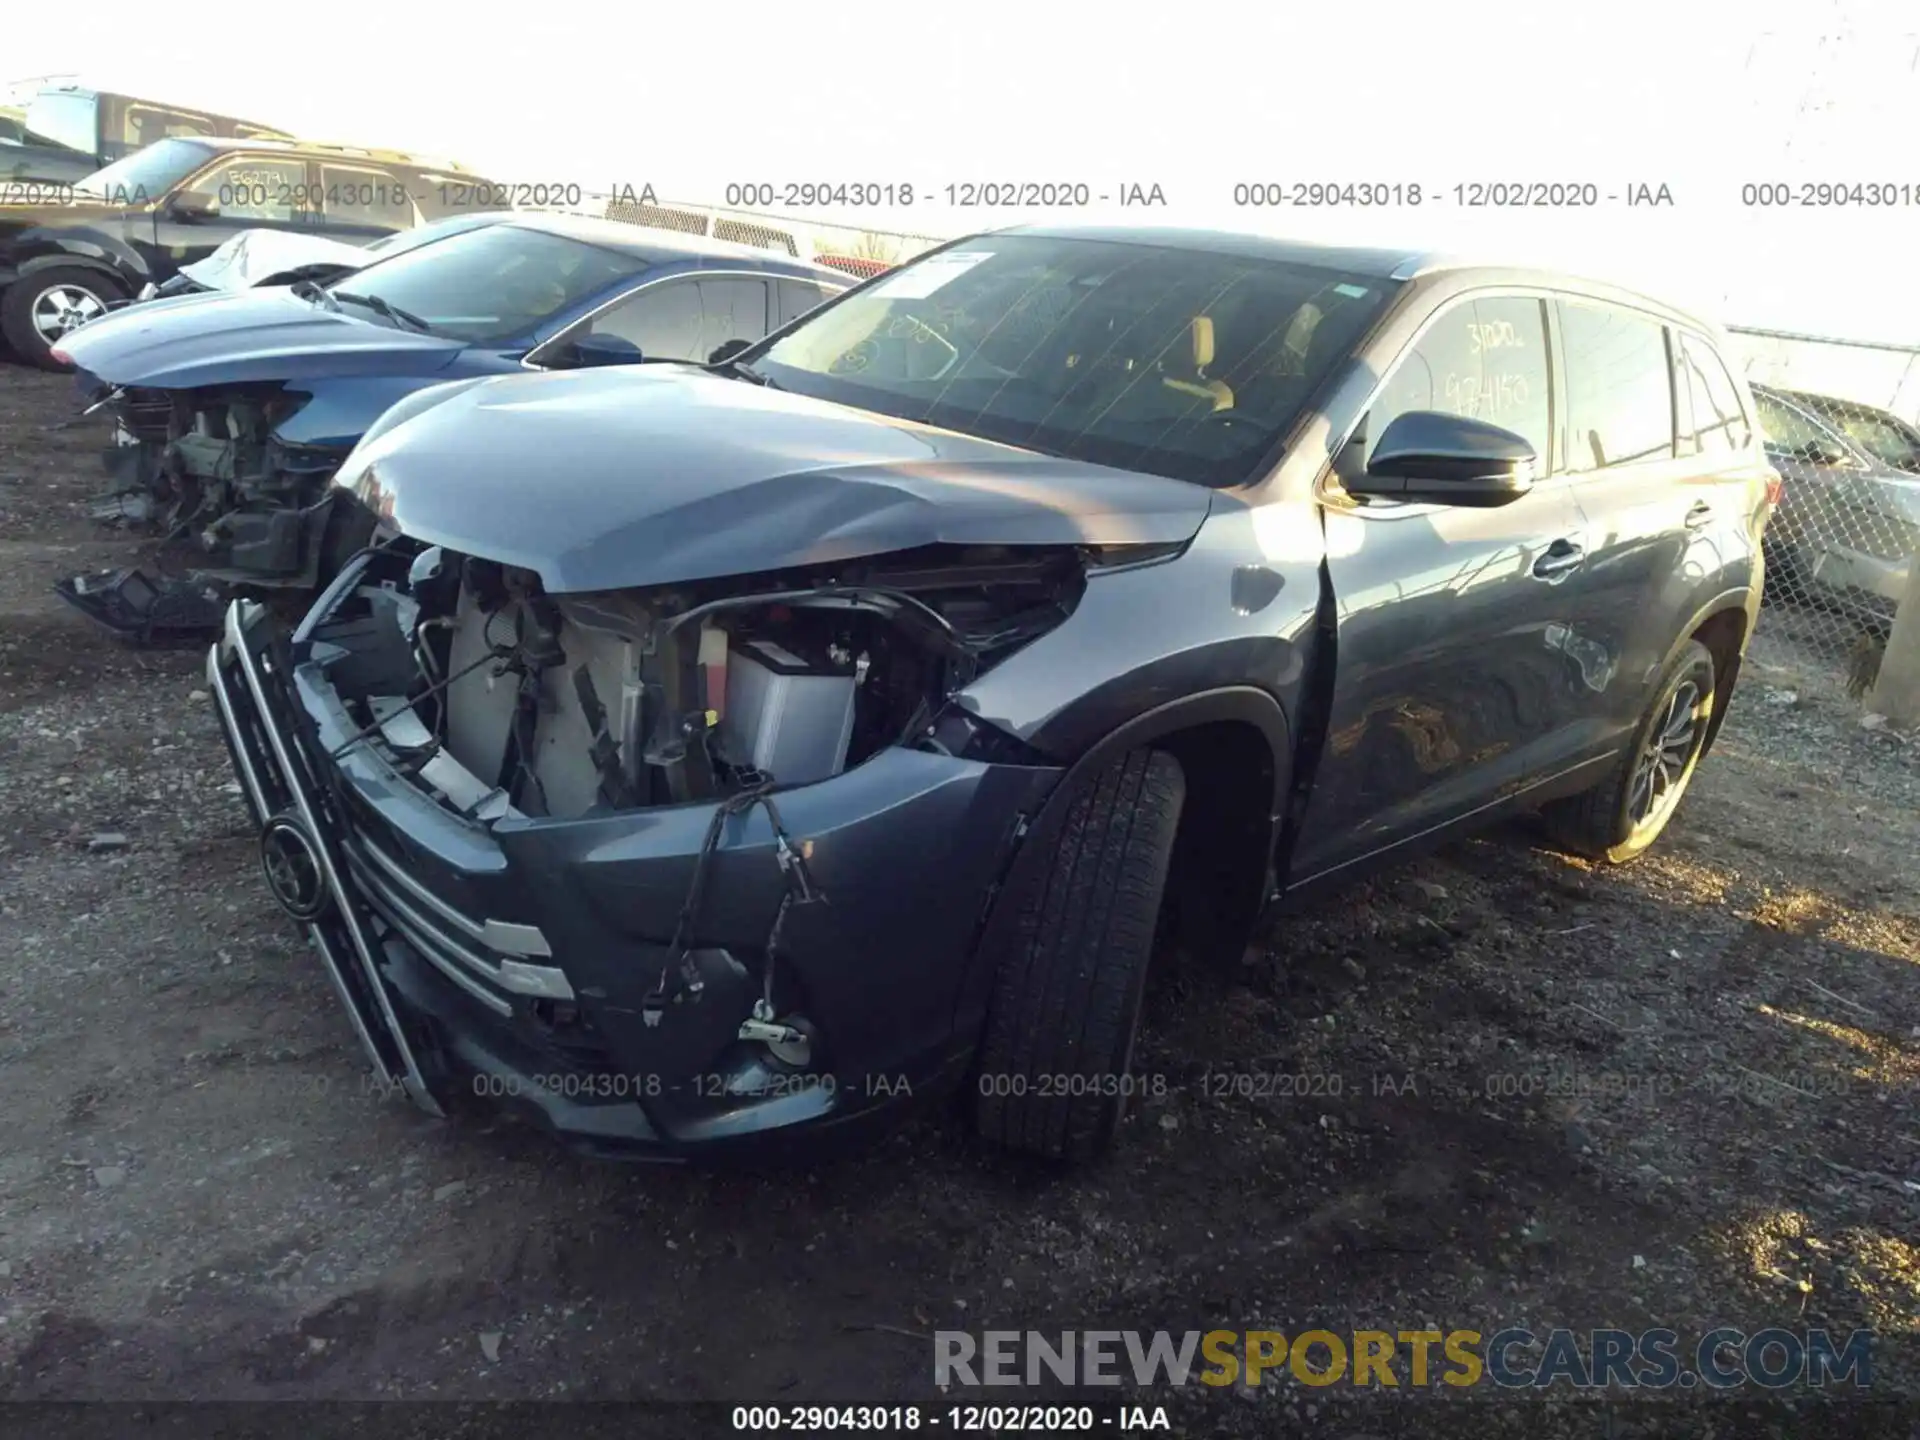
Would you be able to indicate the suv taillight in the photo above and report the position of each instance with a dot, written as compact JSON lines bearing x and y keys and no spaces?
{"x":1776,"y":487}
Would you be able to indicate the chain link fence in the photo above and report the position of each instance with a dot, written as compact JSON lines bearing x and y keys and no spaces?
{"x":1839,"y":418}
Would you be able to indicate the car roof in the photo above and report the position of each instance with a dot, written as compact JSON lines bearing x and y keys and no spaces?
{"x":665,"y":247}
{"x":220,"y":144}
{"x":1375,"y":262}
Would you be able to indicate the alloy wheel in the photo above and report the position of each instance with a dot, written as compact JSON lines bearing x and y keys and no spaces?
{"x":1658,"y":773}
{"x":59,"y":309}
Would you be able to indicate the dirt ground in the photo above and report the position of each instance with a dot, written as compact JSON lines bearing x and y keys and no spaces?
{"x":1680,"y":1095}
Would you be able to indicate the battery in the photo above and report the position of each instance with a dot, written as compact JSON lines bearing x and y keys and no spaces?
{"x":785,"y":717}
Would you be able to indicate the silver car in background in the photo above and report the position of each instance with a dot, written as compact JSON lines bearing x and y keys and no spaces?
{"x":1849,"y":519}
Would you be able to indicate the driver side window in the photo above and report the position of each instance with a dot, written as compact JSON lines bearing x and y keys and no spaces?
{"x":1485,"y":359}
{"x":255,"y":187}
{"x":663,"y":320}
{"x":687,"y":319}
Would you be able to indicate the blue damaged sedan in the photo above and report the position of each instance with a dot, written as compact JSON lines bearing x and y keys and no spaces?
{"x":232,"y":411}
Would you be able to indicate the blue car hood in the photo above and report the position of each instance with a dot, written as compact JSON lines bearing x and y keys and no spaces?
{"x":660,"y":474}
{"x":267,"y":334}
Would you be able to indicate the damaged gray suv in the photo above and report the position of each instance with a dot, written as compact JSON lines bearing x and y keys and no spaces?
{"x":719,"y":759}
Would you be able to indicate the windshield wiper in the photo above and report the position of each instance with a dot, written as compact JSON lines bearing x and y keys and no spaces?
{"x":314,"y":294}
{"x":746,"y":372}
{"x":382,"y":307}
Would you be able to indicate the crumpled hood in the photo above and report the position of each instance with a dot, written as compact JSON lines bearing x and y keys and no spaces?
{"x":253,"y":255}
{"x":660,"y":474}
{"x":271,"y":334}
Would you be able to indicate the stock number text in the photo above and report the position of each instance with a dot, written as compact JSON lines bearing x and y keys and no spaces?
{"x":1874,"y":194}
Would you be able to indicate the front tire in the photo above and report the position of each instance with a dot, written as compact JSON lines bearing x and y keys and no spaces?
{"x":39,"y":310}
{"x":1620,"y":817}
{"x":1054,"y":1070}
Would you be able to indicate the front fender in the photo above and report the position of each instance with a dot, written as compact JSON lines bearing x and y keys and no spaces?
{"x":82,"y":249}
{"x":1221,"y":635}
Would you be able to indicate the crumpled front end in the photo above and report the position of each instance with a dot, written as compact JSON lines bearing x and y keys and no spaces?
{"x":207,"y":467}
{"x":660,"y":869}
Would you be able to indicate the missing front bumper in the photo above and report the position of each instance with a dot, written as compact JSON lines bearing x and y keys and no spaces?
{"x":907,"y":845}
{"x":244,"y":675}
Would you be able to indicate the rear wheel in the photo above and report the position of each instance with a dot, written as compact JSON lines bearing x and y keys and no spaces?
{"x":40,"y":310}
{"x":1053,"y":1077}
{"x":1625,"y":813}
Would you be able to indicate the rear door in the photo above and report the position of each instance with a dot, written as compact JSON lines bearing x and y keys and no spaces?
{"x":1453,"y":687}
{"x":1658,"y":495}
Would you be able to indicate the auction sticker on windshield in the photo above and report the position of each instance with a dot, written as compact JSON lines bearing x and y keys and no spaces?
{"x":916,"y":282}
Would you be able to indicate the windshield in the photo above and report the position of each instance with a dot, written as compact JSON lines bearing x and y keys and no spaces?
{"x":146,"y":175}
{"x":1185,"y":363}
{"x":491,"y":284}
{"x":68,"y":121}
{"x":1882,"y":436}
{"x":403,"y":240}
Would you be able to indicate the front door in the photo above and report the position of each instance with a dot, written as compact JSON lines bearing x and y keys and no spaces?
{"x":245,"y":192}
{"x":1453,"y":682}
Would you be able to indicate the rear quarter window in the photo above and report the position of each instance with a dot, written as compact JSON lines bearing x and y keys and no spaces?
{"x":1712,"y":420}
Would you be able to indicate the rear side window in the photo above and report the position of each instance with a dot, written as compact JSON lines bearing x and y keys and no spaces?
{"x":1484,"y":359}
{"x":1712,"y":421}
{"x":731,"y":310}
{"x":799,"y":296}
{"x":365,"y":197}
{"x":1619,"y":387}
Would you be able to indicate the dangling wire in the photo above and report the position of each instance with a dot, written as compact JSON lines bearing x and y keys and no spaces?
{"x":800,"y":888}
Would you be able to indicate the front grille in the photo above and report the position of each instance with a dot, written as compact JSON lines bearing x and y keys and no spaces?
{"x":451,"y":942}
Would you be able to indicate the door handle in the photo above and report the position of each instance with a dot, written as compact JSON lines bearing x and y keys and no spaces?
{"x":1700,"y":516}
{"x":1562,"y":558}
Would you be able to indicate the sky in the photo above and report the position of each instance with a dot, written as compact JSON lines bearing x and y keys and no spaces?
{"x":1701,"y":96}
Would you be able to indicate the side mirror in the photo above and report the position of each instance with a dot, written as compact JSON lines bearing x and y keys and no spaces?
{"x":727,"y":351}
{"x":1431,"y":458}
{"x":601,"y":348}
{"x":189,"y":206}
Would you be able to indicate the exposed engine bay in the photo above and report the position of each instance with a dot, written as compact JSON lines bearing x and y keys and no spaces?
{"x":506,"y":701}
{"x":204,"y":467}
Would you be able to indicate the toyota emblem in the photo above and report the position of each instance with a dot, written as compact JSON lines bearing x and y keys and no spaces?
{"x":291,"y":862}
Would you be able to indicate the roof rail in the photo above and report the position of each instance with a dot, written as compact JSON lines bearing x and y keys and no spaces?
{"x":390,"y":157}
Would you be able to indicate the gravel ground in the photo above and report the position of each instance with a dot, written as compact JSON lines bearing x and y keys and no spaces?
{"x":1679,"y":1095}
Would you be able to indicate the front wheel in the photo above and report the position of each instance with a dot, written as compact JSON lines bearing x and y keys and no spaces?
{"x":1621,"y":816}
{"x":1055,"y":1073}
{"x":40,"y":310}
